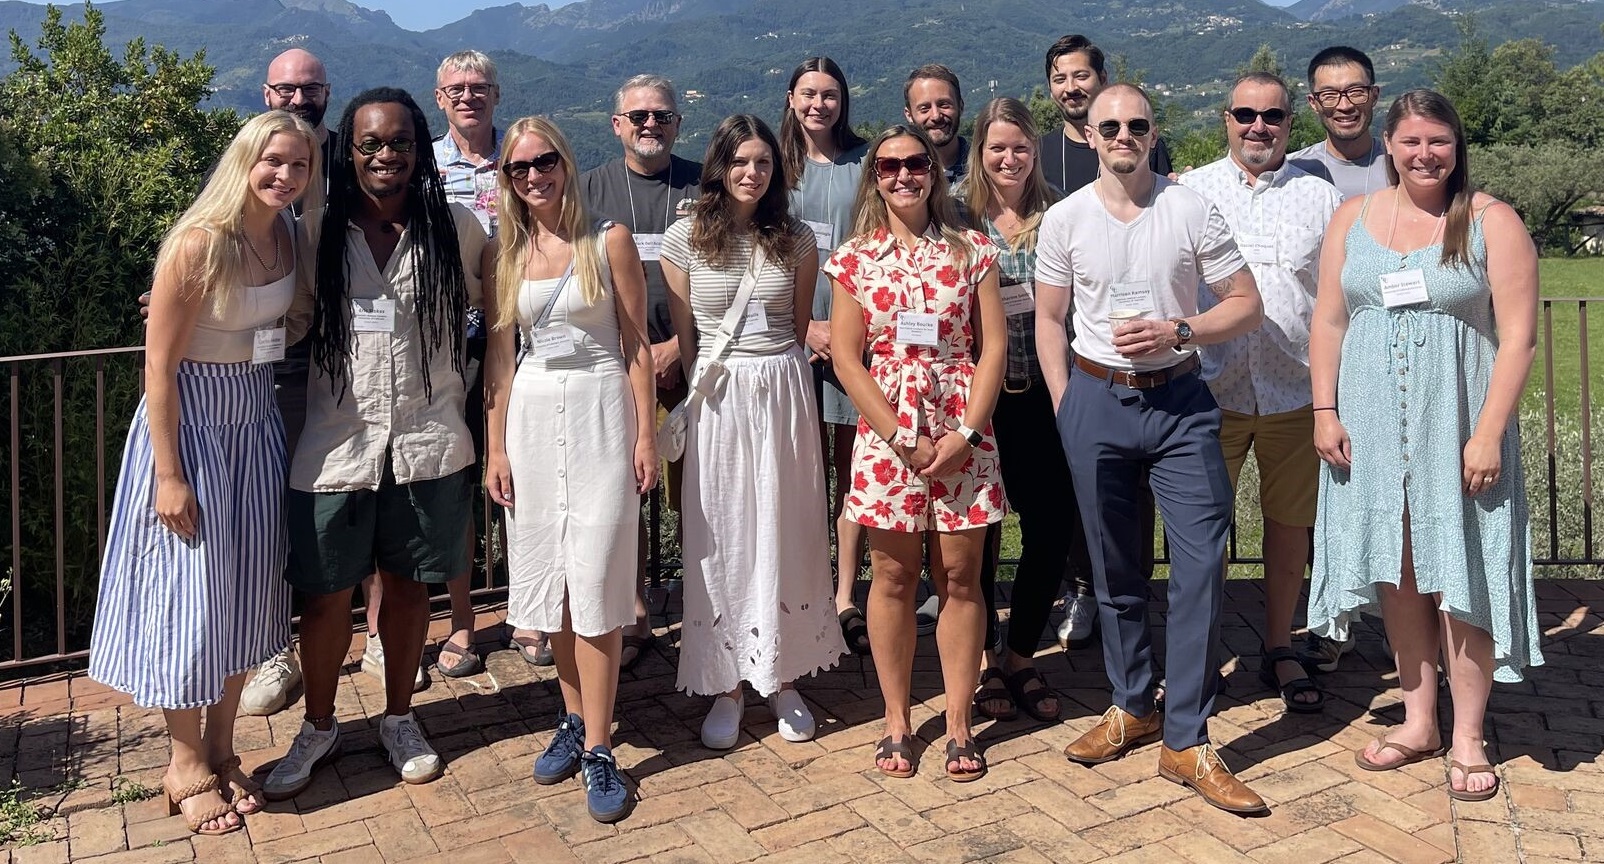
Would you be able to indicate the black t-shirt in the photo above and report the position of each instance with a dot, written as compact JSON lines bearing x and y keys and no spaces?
{"x":646,"y":205}
{"x":1069,"y":165}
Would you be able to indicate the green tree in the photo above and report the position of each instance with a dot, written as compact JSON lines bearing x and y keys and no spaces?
{"x":1263,"y":60}
{"x":1044,"y":111}
{"x":21,"y":191}
{"x":1543,"y":183}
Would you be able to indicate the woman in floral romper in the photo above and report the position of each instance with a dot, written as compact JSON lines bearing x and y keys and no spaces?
{"x":919,"y":295}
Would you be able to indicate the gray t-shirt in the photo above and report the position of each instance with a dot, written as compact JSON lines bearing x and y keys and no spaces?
{"x":646,"y":205}
{"x":1351,"y":178}
{"x":823,"y":200}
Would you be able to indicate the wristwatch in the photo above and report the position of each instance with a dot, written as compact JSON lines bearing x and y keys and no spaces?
{"x":974,"y":438}
{"x":1183,"y":331}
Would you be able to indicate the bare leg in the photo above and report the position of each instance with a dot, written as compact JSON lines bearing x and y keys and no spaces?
{"x":219,"y":736}
{"x":895,"y":557}
{"x":402,"y":625}
{"x":848,"y":534}
{"x":190,"y":765}
{"x":373,"y":596}
{"x":462,"y":617}
{"x":1286,"y":550}
{"x":1469,"y":651}
{"x":325,"y":640}
{"x":961,"y":626}
{"x":1412,"y":630}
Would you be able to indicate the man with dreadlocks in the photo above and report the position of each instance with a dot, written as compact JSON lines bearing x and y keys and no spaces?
{"x":383,"y":475}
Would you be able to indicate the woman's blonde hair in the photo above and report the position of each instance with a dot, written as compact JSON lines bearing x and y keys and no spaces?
{"x":870,"y":209}
{"x":1038,"y":194}
{"x":517,"y":231}
{"x":219,"y":210}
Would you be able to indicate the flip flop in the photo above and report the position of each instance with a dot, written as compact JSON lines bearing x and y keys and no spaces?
{"x":956,"y":752}
{"x":888,"y":748}
{"x":1410,"y":754}
{"x":855,"y":630}
{"x":1467,"y":770}
{"x":473,"y":665}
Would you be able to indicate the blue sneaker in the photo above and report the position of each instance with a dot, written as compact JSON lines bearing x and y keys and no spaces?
{"x":606,"y":796}
{"x":561,"y":759}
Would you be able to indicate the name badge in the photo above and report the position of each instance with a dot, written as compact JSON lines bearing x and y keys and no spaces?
{"x":553,"y":342}
{"x":373,"y":316}
{"x":755,"y":321}
{"x":823,"y":234}
{"x":1257,"y":248}
{"x":650,"y":246}
{"x":1404,"y":288}
{"x":1137,"y":295}
{"x":918,"y":328}
{"x":1019,"y":298}
{"x":267,"y":345}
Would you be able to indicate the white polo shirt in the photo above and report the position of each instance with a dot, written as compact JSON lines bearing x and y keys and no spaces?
{"x":1279,"y":220}
{"x":1159,"y":262}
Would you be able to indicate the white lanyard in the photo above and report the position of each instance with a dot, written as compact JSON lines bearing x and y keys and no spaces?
{"x":668,"y":199}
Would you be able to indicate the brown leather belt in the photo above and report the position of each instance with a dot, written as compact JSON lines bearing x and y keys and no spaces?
{"x":1138,"y":380}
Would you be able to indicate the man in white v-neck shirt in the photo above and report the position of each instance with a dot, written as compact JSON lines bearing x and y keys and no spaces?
{"x":1132,"y":250}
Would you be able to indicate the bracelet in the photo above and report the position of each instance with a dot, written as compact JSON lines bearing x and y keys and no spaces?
{"x":1325,"y":408}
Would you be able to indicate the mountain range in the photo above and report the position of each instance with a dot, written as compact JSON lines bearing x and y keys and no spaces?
{"x":737,"y":54}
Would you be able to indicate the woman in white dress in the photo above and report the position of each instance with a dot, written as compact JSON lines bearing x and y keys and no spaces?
{"x":570,"y":426}
{"x":758,"y":598}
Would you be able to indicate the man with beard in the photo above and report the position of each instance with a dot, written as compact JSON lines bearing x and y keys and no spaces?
{"x":1343,"y":92}
{"x":1075,"y":75}
{"x":647,"y":190}
{"x":1278,"y":213}
{"x":298,"y":83}
{"x":1132,"y":250}
{"x":933,"y":101}
{"x":383,"y":477}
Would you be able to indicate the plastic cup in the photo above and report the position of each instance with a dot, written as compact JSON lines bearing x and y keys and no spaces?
{"x":1120,"y":317}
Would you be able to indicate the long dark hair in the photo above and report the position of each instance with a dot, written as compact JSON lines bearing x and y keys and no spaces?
{"x":1432,"y":105}
{"x":441,"y":294}
{"x":794,"y":145}
{"x":714,"y":229}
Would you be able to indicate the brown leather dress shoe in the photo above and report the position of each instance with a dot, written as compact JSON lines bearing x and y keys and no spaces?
{"x":1115,"y":735}
{"x":1200,"y":769}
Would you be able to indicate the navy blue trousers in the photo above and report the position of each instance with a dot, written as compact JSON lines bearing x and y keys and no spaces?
{"x":1111,"y":434}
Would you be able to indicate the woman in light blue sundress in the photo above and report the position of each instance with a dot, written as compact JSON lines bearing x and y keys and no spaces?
{"x":192,"y":591}
{"x":1423,"y":336}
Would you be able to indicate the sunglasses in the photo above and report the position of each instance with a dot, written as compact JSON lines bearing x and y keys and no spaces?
{"x":371,"y":146}
{"x":543,"y":164}
{"x":1139,"y":126}
{"x":638,"y":118}
{"x":1356,"y":96}
{"x":888,"y":167}
{"x":1247,"y":116}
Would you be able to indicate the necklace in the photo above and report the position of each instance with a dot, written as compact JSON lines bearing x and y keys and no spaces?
{"x":277,"y":257}
{"x":1403,"y":257}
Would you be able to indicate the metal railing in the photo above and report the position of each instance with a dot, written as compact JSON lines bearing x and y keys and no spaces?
{"x":54,"y":497}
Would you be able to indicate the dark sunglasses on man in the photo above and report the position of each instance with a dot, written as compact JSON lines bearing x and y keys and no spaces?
{"x":543,"y":164}
{"x":371,"y":146}
{"x":887,"y":167}
{"x":1139,"y":126}
{"x":1247,"y":116}
{"x":638,"y":118}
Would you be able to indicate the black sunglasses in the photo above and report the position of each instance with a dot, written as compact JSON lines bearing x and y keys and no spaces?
{"x":371,"y":146}
{"x":1246,"y":116}
{"x":1139,"y":126}
{"x":888,"y":166}
{"x":638,"y":118}
{"x":543,"y":164}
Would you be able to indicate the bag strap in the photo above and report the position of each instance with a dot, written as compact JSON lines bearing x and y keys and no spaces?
{"x":568,"y":274}
{"x":732,"y":316}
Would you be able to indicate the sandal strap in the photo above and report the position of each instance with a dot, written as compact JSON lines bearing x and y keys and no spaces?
{"x":1471,"y":769}
{"x":889,"y":747}
{"x":1279,"y":655}
{"x":216,"y":814}
{"x":450,"y":647}
{"x":227,"y":766}
{"x":199,"y":787}
{"x":1408,"y":752}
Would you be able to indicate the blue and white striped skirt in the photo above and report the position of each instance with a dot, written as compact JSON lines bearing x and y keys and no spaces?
{"x":175,"y":619}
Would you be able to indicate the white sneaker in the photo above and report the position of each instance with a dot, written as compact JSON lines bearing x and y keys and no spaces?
{"x":409,"y":753}
{"x":1080,"y":619}
{"x":269,"y":689}
{"x":722,"y":726}
{"x":310,"y":751}
{"x":373,"y":663}
{"x":796,"y":721}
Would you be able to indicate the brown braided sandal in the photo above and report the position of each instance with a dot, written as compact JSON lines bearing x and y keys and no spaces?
{"x":194,"y":790}
{"x":239,"y":785}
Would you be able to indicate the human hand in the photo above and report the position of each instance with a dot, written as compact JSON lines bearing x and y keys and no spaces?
{"x":951,"y":452}
{"x":665,"y":363}
{"x":1331,"y":440}
{"x":818,"y":339}
{"x":1140,"y":337}
{"x":176,"y":507}
{"x":1482,"y":463}
{"x":144,"y":306}
{"x":498,"y":479}
{"x":645,"y":463}
{"x":920,"y":455}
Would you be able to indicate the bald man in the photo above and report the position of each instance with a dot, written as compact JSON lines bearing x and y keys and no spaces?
{"x":298,"y":83}
{"x":1133,"y":250}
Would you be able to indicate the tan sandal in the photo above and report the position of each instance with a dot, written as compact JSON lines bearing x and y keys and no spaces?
{"x":1467,"y":770}
{"x":175,"y":799}
{"x":239,"y":785}
{"x":1410,"y":754}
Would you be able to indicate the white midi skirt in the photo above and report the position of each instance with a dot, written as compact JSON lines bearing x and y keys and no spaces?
{"x":573,"y":531}
{"x":759,"y":604}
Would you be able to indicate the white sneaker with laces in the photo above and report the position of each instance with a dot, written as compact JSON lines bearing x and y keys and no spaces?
{"x":311,"y":750}
{"x":1080,"y":619}
{"x":409,"y":752}
{"x":269,"y":689}
{"x":796,"y":721}
{"x":373,"y":662}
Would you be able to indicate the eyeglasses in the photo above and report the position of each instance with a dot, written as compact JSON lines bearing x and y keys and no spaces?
{"x":543,"y":164}
{"x":455,"y":92}
{"x":638,"y":118}
{"x":1358,"y":97}
{"x":310,"y":91}
{"x":1139,"y":126}
{"x":887,"y":167}
{"x":371,"y":146}
{"x":1247,"y":116}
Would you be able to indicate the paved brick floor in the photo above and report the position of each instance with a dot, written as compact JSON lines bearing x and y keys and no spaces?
{"x":820,"y":802}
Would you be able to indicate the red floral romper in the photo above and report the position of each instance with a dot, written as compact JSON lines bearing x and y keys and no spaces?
{"x":928,"y":385}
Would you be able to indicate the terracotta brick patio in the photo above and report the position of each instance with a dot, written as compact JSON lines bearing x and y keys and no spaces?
{"x":68,"y":739}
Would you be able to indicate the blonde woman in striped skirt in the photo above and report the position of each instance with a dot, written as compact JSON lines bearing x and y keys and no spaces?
{"x":192,"y":594}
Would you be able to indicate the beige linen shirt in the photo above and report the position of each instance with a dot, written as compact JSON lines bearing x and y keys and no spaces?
{"x":384,"y":411}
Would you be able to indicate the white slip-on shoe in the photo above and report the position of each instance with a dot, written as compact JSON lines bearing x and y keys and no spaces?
{"x":722,"y":726}
{"x":796,"y":721}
